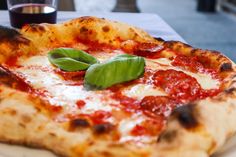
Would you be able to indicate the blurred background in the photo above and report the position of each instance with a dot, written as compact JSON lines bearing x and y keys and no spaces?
{"x":208,"y":24}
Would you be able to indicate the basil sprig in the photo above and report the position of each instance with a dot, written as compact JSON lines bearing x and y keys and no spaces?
{"x":119,"y":69}
{"x":69,"y":59}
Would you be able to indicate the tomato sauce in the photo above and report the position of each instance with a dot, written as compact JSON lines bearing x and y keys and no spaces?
{"x":127,"y":103}
{"x":70,"y":75}
{"x":80,"y":104}
{"x":180,"y":87}
{"x":154,"y":106}
{"x":195,"y":64}
{"x":12,"y":62}
{"x":188,"y":63}
{"x":151,"y":127}
{"x":95,"y":45}
{"x":98,"y":117}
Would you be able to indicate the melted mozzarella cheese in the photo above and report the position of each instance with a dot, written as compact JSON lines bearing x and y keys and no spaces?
{"x":141,"y":90}
{"x":126,"y":126}
{"x":63,"y":94}
{"x":204,"y":80}
{"x":59,"y":92}
{"x":35,"y":61}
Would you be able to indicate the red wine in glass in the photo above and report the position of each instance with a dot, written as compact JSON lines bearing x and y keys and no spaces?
{"x":23,"y":14}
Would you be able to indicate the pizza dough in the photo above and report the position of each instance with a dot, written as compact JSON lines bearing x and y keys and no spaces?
{"x":38,"y":101}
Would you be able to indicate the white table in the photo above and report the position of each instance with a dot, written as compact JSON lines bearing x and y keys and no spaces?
{"x":151,"y":23}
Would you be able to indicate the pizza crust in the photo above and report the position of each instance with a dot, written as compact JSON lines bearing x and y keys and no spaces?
{"x":197,"y":130}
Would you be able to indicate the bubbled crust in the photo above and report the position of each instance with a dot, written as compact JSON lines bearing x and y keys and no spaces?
{"x":25,"y":122}
{"x":36,"y":38}
{"x":196,"y":130}
{"x":217,"y":60}
{"x":13,"y":43}
{"x":215,"y":125}
{"x":86,"y":29}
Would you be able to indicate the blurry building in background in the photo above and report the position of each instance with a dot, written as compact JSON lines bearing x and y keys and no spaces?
{"x":126,"y":6}
{"x":228,"y":5}
{"x":66,"y":5}
{"x":3,"y":4}
{"x":206,"y":5}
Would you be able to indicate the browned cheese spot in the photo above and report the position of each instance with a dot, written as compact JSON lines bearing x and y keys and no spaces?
{"x":186,"y":116}
{"x":106,"y":154}
{"x":12,"y":112}
{"x":22,"y":125}
{"x":52,"y":134}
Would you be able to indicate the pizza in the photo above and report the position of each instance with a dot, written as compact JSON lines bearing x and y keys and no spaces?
{"x":91,"y":87}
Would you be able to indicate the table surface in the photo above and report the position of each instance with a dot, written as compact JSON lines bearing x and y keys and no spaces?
{"x":151,"y":23}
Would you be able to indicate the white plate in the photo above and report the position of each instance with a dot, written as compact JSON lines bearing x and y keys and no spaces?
{"x":17,"y":151}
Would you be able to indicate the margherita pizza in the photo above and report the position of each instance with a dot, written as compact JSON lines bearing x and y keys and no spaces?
{"x":91,"y":87}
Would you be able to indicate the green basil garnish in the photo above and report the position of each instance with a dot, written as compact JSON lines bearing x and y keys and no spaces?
{"x":69,"y":59}
{"x":119,"y":69}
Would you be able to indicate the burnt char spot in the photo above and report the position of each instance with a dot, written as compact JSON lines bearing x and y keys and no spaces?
{"x":230,"y":90}
{"x":169,"y":44}
{"x":186,"y":116}
{"x":159,"y":39}
{"x":226,"y":67}
{"x":8,"y":33}
{"x":83,"y":29}
{"x":167,"y":136}
{"x":11,"y":35}
{"x":2,"y":72}
{"x":102,"y":128}
{"x":193,"y":51}
{"x":106,"y":29}
{"x":78,"y":123}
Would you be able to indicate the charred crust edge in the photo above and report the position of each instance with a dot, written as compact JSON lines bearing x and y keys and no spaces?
{"x":168,"y":136}
{"x":230,"y":90}
{"x":159,"y":39}
{"x":226,"y":67}
{"x":186,"y":116}
{"x":11,"y":35}
{"x":8,"y":33}
{"x":78,"y":123}
{"x":102,"y":128}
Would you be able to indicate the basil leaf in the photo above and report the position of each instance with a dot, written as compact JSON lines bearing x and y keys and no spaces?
{"x":69,"y":59}
{"x":119,"y":69}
